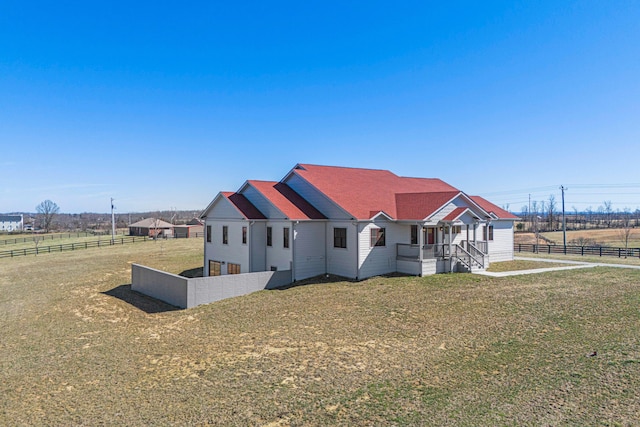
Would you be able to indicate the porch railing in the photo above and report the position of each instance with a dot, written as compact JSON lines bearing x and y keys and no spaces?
{"x":474,"y":249}
{"x":469,"y":255}
{"x":412,"y":252}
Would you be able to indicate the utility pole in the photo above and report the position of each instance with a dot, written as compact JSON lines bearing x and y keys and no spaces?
{"x":113,"y":224}
{"x":564,"y":223}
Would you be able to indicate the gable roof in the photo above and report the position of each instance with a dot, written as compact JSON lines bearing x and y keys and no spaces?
{"x":363,"y":191}
{"x":493,"y":209}
{"x":457,"y":213}
{"x":287,"y":201}
{"x":243,"y":205}
{"x":418,"y":206}
{"x":152,"y":223}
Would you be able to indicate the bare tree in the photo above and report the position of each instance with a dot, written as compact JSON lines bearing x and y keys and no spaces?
{"x":608,"y":211}
{"x":626,"y":230}
{"x":47,"y":210}
{"x":552,"y":209}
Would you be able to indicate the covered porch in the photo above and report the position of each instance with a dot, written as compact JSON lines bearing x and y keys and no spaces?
{"x":449,"y":245}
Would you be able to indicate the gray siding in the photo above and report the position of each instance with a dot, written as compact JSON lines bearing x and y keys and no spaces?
{"x":341,"y":261}
{"x":309,"y":244}
{"x":378,"y":260}
{"x":501,"y":247}
{"x":258,"y":245}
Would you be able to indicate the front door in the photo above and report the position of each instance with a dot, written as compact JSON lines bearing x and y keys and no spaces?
{"x":430,"y":236}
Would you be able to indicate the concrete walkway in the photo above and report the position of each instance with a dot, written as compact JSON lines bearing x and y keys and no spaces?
{"x":572,"y":266}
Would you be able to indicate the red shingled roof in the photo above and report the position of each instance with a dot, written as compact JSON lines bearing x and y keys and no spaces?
{"x":290,"y":203}
{"x":491,"y":208}
{"x":455,"y":214}
{"x":243,"y":205}
{"x":362,"y":191}
{"x":419,"y":206}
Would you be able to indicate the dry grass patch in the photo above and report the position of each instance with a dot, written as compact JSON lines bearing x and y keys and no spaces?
{"x":452,"y":349}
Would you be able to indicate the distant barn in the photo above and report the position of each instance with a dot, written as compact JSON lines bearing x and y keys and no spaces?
{"x":193,"y":228}
{"x":151,"y":227}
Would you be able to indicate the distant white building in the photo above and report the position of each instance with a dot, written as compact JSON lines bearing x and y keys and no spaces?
{"x":10,"y":223}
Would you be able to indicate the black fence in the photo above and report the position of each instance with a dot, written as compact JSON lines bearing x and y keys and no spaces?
{"x":42,"y":237}
{"x":71,"y":246}
{"x":577,"y":250}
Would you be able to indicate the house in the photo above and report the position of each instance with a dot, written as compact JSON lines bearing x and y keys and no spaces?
{"x":193,"y":228}
{"x":354,"y":223}
{"x":152,"y":227}
{"x":10,"y":223}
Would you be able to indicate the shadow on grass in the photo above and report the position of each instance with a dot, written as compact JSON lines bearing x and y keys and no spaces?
{"x":193,"y":272}
{"x":143,"y":302}
{"x":316,"y":280}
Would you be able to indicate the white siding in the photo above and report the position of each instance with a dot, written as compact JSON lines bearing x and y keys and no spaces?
{"x":342,"y":261}
{"x":309,"y":246}
{"x":234,"y":252}
{"x":374,"y":261}
{"x":501,"y":247}
{"x":277,"y":255}
{"x":316,"y":198}
{"x":224,"y":209}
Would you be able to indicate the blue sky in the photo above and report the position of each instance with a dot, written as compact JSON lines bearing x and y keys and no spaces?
{"x":161,"y":105}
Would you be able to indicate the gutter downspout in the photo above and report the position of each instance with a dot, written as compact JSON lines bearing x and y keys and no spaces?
{"x":249,"y":246}
{"x":326,"y":241}
{"x":293,"y":250}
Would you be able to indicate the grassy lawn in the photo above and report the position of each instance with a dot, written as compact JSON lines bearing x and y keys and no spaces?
{"x":54,"y":240}
{"x":79,"y":348}
{"x":497,"y":267}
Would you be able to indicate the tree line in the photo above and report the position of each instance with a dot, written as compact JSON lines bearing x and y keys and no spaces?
{"x":546,"y":215}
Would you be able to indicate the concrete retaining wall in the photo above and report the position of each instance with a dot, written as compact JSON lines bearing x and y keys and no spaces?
{"x":186,"y":293}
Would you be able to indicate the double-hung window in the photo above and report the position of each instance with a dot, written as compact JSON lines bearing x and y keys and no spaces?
{"x":285,"y":238}
{"x":339,"y":237}
{"x":378,"y":237}
{"x":225,"y":234}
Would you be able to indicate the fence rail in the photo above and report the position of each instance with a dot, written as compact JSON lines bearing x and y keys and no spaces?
{"x":578,"y":250}
{"x":71,"y":246}
{"x":42,"y":237}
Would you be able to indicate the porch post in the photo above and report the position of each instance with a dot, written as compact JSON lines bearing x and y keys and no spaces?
{"x":420,"y":246}
{"x":450,"y":250}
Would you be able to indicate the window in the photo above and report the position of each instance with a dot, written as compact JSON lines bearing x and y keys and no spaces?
{"x":484,"y":232}
{"x":274,"y":268}
{"x":269,"y":237}
{"x":339,"y":237}
{"x":214,"y":268}
{"x":233,"y":268}
{"x":208,"y":234}
{"x":377,"y":237}
{"x":285,"y":238}
{"x":225,"y":235}
{"x":414,"y":234}
{"x":244,"y":235}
